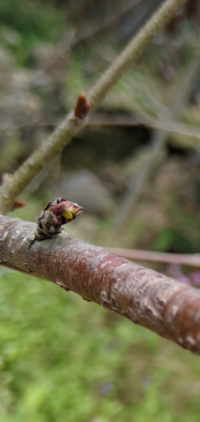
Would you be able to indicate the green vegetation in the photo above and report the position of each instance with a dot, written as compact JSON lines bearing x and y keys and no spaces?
{"x":31,"y":24}
{"x":43,"y":22}
{"x":66,"y":359}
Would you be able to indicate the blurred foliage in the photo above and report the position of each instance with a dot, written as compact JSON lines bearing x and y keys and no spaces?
{"x":64,"y":359}
{"x":34,"y":22}
{"x":170,"y":240}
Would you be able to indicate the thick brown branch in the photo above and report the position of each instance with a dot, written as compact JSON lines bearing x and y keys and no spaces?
{"x":146,"y":297}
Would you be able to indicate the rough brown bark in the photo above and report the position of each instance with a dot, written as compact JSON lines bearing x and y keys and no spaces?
{"x":146,"y":297}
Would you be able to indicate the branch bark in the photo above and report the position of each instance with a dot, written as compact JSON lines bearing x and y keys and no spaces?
{"x":167,"y":307}
{"x":67,"y":129}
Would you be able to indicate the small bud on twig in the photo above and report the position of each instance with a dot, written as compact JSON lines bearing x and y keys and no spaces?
{"x":54,"y":215}
{"x":18,"y":204}
{"x":82,"y":106}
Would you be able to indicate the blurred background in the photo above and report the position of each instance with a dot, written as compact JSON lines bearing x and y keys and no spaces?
{"x":135,"y":170}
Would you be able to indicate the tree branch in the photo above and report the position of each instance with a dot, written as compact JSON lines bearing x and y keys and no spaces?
{"x":167,"y":307}
{"x":67,"y":129}
{"x":134,"y":49}
{"x":165,"y":257}
{"x":10,"y":190}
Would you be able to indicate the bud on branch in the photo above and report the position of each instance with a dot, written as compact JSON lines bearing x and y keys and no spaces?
{"x":54,"y":215}
{"x":82,"y":106}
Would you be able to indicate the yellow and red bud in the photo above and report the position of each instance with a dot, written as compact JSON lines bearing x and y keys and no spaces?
{"x":67,"y":209}
{"x":54,"y":215}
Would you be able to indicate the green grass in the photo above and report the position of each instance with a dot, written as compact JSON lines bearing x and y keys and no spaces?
{"x":63,"y":359}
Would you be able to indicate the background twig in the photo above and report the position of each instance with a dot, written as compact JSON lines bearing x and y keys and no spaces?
{"x":137,"y":181}
{"x":169,"y":258}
